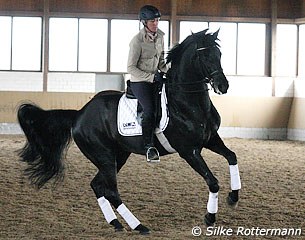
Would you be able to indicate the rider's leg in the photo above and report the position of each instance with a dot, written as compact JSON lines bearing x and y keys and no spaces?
{"x":144,"y":93}
{"x":148,"y":128}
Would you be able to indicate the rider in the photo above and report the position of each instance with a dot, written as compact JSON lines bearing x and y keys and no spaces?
{"x":146,"y":57}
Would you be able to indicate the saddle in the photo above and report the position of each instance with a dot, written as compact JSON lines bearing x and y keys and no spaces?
{"x":129,"y":115}
{"x":157,"y":89}
{"x":130,"y":112}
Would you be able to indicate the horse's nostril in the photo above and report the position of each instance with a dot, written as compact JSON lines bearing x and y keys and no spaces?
{"x":223,"y":88}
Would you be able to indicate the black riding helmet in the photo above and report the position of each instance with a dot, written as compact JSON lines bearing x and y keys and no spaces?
{"x":149,"y":12}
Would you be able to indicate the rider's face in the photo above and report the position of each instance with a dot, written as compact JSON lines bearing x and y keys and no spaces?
{"x":152,"y":24}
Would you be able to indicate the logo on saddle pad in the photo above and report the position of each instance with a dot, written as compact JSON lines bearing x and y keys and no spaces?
{"x":129,"y":125}
{"x":129,"y":120}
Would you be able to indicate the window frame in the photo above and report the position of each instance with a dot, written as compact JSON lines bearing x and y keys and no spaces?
{"x":300,"y":47}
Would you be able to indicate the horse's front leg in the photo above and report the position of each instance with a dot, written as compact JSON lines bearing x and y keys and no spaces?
{"x":216,"y":145}
{"x":195,"y":160}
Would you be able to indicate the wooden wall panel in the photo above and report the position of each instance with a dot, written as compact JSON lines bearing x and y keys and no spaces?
{"x":92,"y":6}
{"x":297,"y":114}
{"x":212,"y":8}
{"x":225,"y":8}
{"x":289,"y":9}
{"x":106,"y":6}
{"x":249,"y":112}
{"x":17,"y":5}
{"x":253,"y":112}
{"x":47,"y":100}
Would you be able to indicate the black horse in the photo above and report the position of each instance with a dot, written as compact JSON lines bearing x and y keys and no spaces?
{"x":193,"y":125}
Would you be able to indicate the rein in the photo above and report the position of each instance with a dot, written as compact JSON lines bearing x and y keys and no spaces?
{"x":202,"y":88}
{"x":205,"y":81}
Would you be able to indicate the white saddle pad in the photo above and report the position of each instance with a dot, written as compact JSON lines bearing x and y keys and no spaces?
{"x":129,"y":122}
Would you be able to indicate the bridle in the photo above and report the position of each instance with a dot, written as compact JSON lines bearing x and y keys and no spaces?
{"x":201,"y":85}
{"x":209,"y":77}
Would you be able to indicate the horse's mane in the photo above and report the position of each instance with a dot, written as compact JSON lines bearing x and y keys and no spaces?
{"x":205,"y":38}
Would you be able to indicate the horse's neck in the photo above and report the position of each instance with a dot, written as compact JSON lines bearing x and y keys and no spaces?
{"x":186,"y":98}
{"x":189,"y":92}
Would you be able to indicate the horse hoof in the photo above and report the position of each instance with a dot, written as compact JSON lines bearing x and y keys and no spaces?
{"x":142,"y":229}
{"x":118,"y":227}
{"x":210,"y":219}
{"x":231,"y":202}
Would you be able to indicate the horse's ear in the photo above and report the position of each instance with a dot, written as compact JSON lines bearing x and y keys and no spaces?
{"x":205,"y":31}
{"x":215,"y":34}
{"x":194,"y":36}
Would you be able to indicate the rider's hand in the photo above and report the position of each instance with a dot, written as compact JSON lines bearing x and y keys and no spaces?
{"x":158,"y":77}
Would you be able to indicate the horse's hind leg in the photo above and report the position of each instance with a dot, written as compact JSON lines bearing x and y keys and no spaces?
{"x":105,"y":188}
{"x":216,"y":145}
{"x":99,"y":189}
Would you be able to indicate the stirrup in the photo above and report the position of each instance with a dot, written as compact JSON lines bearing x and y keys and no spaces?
{"x":152,"y":155}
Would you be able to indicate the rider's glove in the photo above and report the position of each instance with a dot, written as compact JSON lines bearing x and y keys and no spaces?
{"x":158,"y":77}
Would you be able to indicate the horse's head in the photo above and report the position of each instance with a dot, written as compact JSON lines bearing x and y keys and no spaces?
{"x":207,"y":60}
{"x":198,"y":57}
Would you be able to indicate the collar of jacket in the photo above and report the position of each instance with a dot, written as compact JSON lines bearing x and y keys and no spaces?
{"x":143,"y":33}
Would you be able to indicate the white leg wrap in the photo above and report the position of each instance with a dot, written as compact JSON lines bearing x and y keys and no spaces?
{"x":131,"y":220}
{"x":213,"y":203}
{"x":235,"y":178}
{"x":106,"y":209}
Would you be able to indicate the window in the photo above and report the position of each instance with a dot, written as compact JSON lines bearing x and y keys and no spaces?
{"x":93,"y":45}
{"x":78,"y":44}
{"x":81,"y":44}
{"x":122,"y":31}
{"x":63,"y":38}
{"x":242,"y":45}
{"x":26,"y":44}
{"x":187,"y":27}
{"x":20,"y":43}
{"x":227,"y":40}
{"x":5,"y":43}
{"x":301,"y":50}
{"x":286,"y":50}
{"x":251,"y":49}
{"x":164,"y":27}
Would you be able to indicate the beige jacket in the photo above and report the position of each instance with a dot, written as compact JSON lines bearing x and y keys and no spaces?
{"x":146,"y":57}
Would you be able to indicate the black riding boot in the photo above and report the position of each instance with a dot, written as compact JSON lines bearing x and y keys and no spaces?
{"x":148,"y":127}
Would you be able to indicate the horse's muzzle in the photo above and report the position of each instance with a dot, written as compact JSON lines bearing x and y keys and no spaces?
{"x":221,"y":87}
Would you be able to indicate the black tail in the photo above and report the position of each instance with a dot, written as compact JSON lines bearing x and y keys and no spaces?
{"x":48,"y":135}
